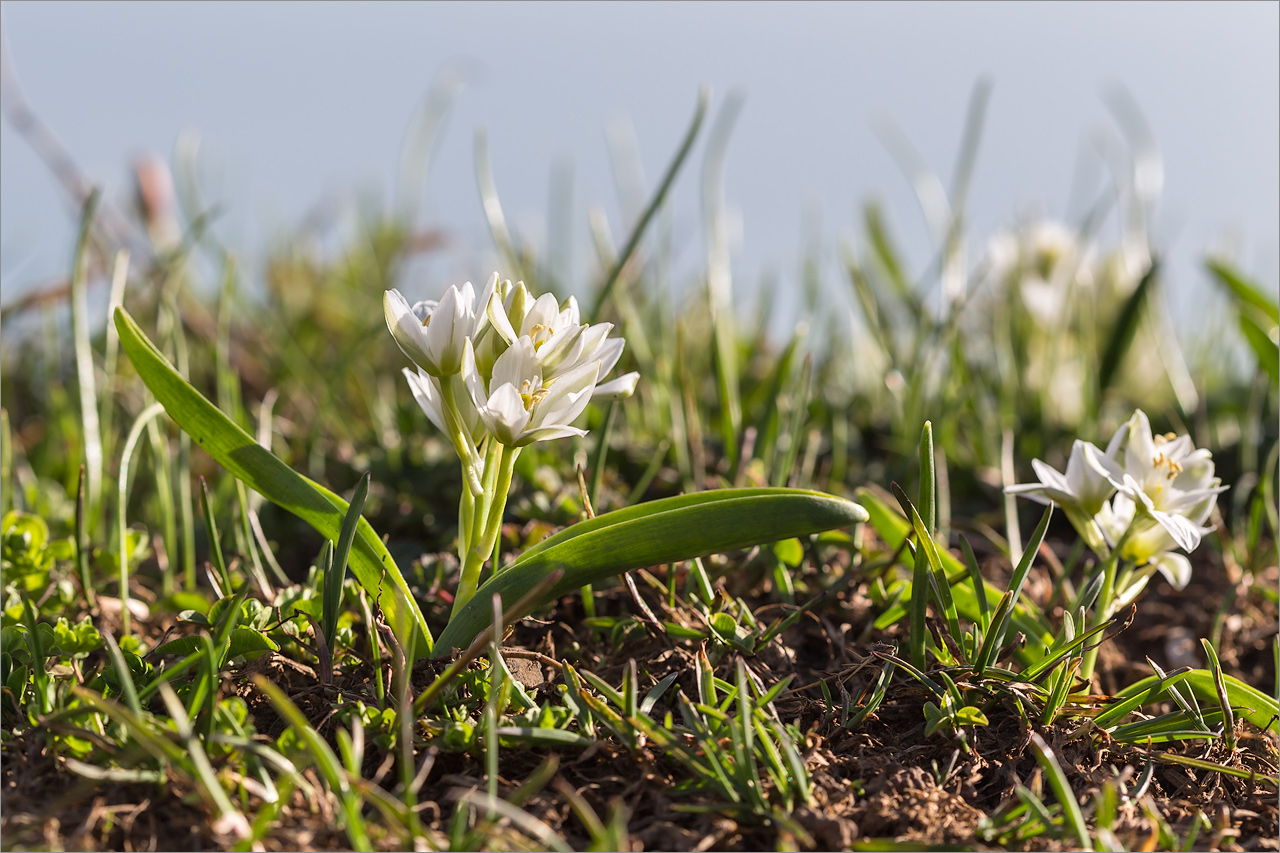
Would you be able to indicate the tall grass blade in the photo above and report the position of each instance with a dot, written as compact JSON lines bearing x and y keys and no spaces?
{"x":1125,"y":327}
{"x":1061,"y":790}
{"x":122,"y":527}
{"x":633,"y":242}
{"x":90,"y":434}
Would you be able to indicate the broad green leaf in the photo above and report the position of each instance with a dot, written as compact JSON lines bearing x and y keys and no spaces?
{"x":1252,"y":704}
{"x":243,"y":641}
{"x":1264,"y":344}
{"x":1244,"y":291}
{"x":664,"y":531}
{"x":238,"y":452}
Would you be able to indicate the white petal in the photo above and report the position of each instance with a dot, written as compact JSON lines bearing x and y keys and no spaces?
{"x":505,"y":415}
{"x":568,"y":396}
{"x":1051,"y":477}
{"x":1140,"y":451}
{"x":497,"y":316}
{"x":425,"y":391}
{"x":1038,"y":492}
{"x":1175,"y":567}
{"x":609,"y":352}
{"x":529,"y":436}
{"x":448,"y":329}
{"x":1186,"y":534}
{"x":543,"y":312}
{"x":406,"y":328}
{"x":517,"y":365}
{"x":622,"y":387}
{"x":471,"y":375}
{"x":560,"y":350}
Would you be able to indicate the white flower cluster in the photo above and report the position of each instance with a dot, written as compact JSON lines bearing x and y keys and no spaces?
{"x":1142,"y":497}
{"x":510,"y":366}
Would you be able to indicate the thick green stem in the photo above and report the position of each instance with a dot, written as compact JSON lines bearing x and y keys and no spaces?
{"x":487,"y":522}
{"x":1101,"y":610}
{"x":466,"y":514}
{"x":461,"y":441}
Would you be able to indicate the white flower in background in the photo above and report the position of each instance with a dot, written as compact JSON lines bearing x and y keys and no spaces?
{"x":1170,"y":485}
{"x":432,"y":333}
{"x":1039,"y":261}
{"x":521,"y":405}
{"x":426,"y":390}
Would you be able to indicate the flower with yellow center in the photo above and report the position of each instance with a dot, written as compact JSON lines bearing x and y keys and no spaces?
{"x":521,"y":404}
{"x":1170,"y":485}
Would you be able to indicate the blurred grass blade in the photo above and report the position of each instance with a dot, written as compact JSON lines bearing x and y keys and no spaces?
{"x":90,"y":435}
{"x":664,"y":531}
{"x":1124,"y":329}
{"x":1062,"y":790}
{"x":493,"y":207}
{"x":1245,"y":292}
{"x":700,"y":113}
{"x":126,"y":455}
{"x":719,"y":277}
{"x":215,"y":542}
{"x":240,"y":454}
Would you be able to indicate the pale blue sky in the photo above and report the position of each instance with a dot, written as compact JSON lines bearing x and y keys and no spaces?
{"x":295,"y":103}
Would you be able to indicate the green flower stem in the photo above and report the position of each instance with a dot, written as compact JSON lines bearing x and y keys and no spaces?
{"x":1106,"y":598}
{"x":466,"y":516}
{"x":461,"y":441}
{"x":487,"y":522}
{"x":1101,"y":610}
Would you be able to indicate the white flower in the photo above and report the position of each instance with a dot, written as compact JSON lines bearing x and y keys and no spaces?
{"x":1167,"y":489}
{"x":1039,"y":260}
{"x":521,"y":404}
{"x":432,"y":333}
{"x":561,"y":341}
{"x":1147,"y":543}
{"x":426,"y":390}
{"x":1082,"y":493}
{"x":1086,"y":485}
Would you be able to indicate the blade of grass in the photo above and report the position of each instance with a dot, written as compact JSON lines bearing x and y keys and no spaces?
{"x":333,"y":579}
{"x":90,"y":434}
{"x":633,"y":242}
{"x":994,"y":639}
{"x":122,"y":529}
{"x":1061,"y":790}
{"x":215,"y":541}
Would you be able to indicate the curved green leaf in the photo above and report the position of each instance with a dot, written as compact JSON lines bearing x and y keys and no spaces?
{"x":235,"y":450}
{"x":1249,"y":702}
{"x":663,"y":531}
{"x":243,"y":641}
